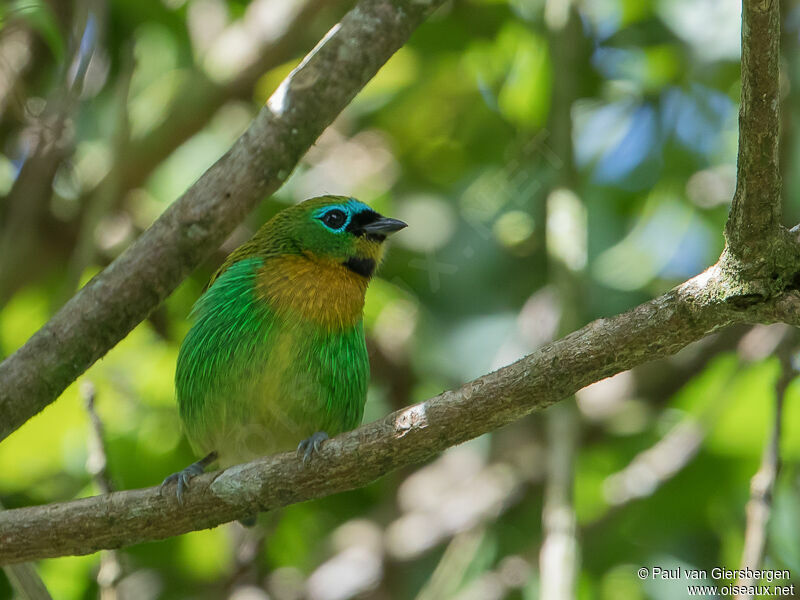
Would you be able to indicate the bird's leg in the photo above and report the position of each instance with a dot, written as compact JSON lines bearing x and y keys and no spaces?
{"x":311,"y":445}
{"x":183,"y":477}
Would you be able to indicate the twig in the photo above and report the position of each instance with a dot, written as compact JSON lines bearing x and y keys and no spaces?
{"x":26,"y":582}
{"x":763,"y":482}
{"x":249,"y":543}
{"x":558,"y":558}
{"x":111,"y":570}
{"x":97,"y":460}
{"x":653,"y":467}
{"x":598,"y":350}
{"x":115,"y":301}
{"x":453,"y":565}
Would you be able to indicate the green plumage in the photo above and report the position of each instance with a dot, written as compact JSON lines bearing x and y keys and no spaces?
{"x":274,"y":355}
{"x":228,"y":398}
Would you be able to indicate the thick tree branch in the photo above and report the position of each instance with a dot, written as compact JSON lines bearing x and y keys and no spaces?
{"x":115,"y":301}
{"x":600,"y":349}
{"x":755,"y":219}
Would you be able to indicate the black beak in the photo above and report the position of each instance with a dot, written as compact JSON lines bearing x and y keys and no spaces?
{"x":384,"y":226}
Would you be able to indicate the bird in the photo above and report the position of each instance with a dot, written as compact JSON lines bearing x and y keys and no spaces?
{"x":276,"y":357}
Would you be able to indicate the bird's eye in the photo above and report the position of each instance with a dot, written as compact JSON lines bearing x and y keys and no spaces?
{"x":334,"y":218}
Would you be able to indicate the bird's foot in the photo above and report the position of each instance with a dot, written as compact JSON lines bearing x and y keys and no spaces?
{"x":183,"y":477}
{"x":311,"y":445}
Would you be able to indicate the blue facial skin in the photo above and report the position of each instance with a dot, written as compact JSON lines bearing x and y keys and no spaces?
{"x":348,"y":209}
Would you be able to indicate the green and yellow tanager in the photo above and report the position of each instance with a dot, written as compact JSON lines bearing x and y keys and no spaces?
{"x":276,"y":357}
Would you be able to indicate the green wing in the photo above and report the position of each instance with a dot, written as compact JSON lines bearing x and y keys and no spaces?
{"x":246,"y":377}
{"x":229,"y":339}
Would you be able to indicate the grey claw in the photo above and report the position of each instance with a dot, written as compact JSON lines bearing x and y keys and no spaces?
{"x":167,"y":480}
{"x":311,"y":445}
{"x":183,"y":477}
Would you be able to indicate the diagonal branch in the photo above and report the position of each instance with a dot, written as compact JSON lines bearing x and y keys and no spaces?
{"x":600,"y":349}
{"x":115,"y":301}
{"x":755,"y":218}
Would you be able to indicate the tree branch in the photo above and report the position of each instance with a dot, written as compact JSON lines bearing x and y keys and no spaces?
{"x":559,"y":554}
{"x":111,"y":570}
{"x":763,"y":482}
{"x":115,"y":301}
{"x":600,"y":349}
{"x":755,"y":219}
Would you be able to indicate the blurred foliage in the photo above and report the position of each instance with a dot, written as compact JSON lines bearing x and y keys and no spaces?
{"x":459,"y":136}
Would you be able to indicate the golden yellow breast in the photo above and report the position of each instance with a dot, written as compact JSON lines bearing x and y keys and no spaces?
{"x":311,"y":288}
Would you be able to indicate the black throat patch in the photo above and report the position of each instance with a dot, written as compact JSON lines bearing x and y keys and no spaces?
{"x":363,"y":266}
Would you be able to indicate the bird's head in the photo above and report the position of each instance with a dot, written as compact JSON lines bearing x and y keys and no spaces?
{"x":340,"y":229}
